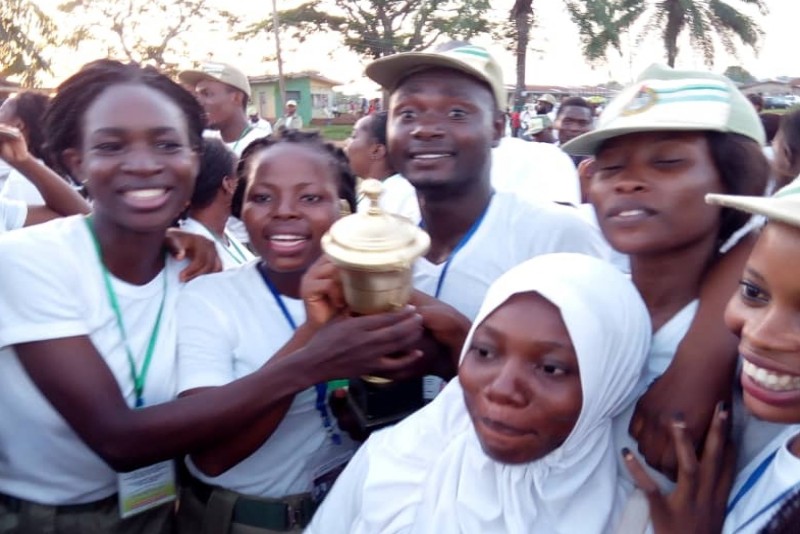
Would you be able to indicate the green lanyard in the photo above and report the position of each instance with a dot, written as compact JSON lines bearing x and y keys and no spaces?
{"x":246,"y":131}
{"x":240,"y":257}
{"x":140,"y":377}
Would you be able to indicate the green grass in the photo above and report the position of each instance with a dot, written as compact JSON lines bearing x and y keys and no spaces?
{"x":336,"y":132}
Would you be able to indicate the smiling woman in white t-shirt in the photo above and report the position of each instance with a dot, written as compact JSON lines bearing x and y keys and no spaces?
{"x":88,"y":326}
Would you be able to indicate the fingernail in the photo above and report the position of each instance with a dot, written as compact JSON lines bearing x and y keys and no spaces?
{"x":626,"y":453}
{"x":679,"y":420}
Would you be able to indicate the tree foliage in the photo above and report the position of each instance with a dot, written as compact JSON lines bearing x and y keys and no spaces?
{"x":377,"y":28}
{"x":145,"y":31}
{"x":25,"y":34}
{"x":739,"y":74}
{"x":706,"y":22}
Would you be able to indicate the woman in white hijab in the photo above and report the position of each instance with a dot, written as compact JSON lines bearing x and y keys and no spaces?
{"x":521,"y":440}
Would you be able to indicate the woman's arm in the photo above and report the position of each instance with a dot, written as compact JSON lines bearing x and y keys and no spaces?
{"x":226,"y":453}
{"x":700,"y":375}
{"x":72,"y":375}
{"x":60,"y":199}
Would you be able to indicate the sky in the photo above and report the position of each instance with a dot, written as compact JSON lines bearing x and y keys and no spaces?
{"x":555,"y":57}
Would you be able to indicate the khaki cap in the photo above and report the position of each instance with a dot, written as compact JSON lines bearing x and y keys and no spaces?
{"x":219,"y":72}
{"x":473,"y":60}
{"x":665,"y":99}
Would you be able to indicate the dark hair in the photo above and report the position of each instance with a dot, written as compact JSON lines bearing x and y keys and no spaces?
{"x":771,"y":123}
{"x":218,"y":162}
{"x":377,"y":126}
{"x":64,"y":117}
{"x":574,"y":101}
{"x":790,"y":132}
{"x":756,"y":99}
{"x":313,"y":140}
{"x":743,"y":170}
{"x":29,"y":107}
{"x":786,"y":519}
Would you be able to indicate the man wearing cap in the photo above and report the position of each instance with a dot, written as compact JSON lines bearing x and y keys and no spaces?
{"x":290,"y":120}
{"x":545,"y":105}
{"x":223,"y":91}
{"x":444,"y":120}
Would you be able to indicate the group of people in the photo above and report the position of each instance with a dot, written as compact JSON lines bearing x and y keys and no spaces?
{"x":628,"y":367}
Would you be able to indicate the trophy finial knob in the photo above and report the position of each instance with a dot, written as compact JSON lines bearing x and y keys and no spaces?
{"x":372,"y":189}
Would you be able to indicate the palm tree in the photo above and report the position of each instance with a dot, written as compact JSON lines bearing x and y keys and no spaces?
{"x":706,"y":21}
{"x":522,"y":18}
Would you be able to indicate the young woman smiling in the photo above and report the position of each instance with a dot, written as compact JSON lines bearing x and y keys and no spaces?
{"x":280,"y":465}
{"x":88,"y":323}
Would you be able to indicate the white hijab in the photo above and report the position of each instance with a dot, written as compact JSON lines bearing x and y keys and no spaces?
{"x":429,"y":474}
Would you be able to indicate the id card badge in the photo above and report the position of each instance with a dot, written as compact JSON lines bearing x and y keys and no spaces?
{"x":325,"y":475}
{"x":146,"y":488}
{"x":431,"y":387}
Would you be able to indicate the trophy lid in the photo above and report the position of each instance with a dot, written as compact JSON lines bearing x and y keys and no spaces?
{"x":374,"y":239}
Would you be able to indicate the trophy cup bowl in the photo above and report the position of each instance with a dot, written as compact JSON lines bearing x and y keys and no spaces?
{"x":374,"y":252}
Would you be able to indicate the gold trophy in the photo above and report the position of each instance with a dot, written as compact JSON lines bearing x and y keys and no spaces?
{"x":374,"y":252}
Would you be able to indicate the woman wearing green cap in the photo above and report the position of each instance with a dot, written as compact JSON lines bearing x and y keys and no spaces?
{"x":660,"y":147}
{"x":764,"y":312}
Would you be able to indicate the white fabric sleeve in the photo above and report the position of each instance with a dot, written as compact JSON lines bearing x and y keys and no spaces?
{"x":565,"y":182}
{"x":566,"y":232}
{"x":12,"y":214}
{"x":40,"y":295}
{"x":342,"y":506}
{"x":206,"y":341}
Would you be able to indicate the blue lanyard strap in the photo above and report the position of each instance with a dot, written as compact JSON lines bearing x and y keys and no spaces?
{"x":461,"y":244}
{"x":321,"y":388}
{"x":750,"y":483}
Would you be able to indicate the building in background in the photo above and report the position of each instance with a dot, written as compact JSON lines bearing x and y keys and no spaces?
{"x":313,"y":93}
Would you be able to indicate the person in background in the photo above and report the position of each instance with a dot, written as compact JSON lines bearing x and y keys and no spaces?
{"x":786,"y":148}
{"x":574,"y":118}
{"x":25,"y":111}
{"x":260,"y":122}
{"x":210,"y":205}
{"x":757,"y":101}
{"x":60,"y":200}
{"x":540,"y":130}
{"x":291,"y":120}
{"x":545,"y":105}
{"x":224,"y":91}
{"x":369,"y":158}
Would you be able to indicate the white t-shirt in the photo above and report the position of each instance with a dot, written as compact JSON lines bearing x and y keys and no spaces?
{"x":231,"y":254}
{"x":536,"y":172}
{"x":663,"y":347}
{"x":248,"y":329}
{"x":235,"y":226}
{"x":5,"y":169}
{"x":18,"y":187}
{"x":399,"y":197}
{"x":782,"y":473}
{"x":12,"y":214}
{"x":511,"y":232}
{"x":52,"y":287}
